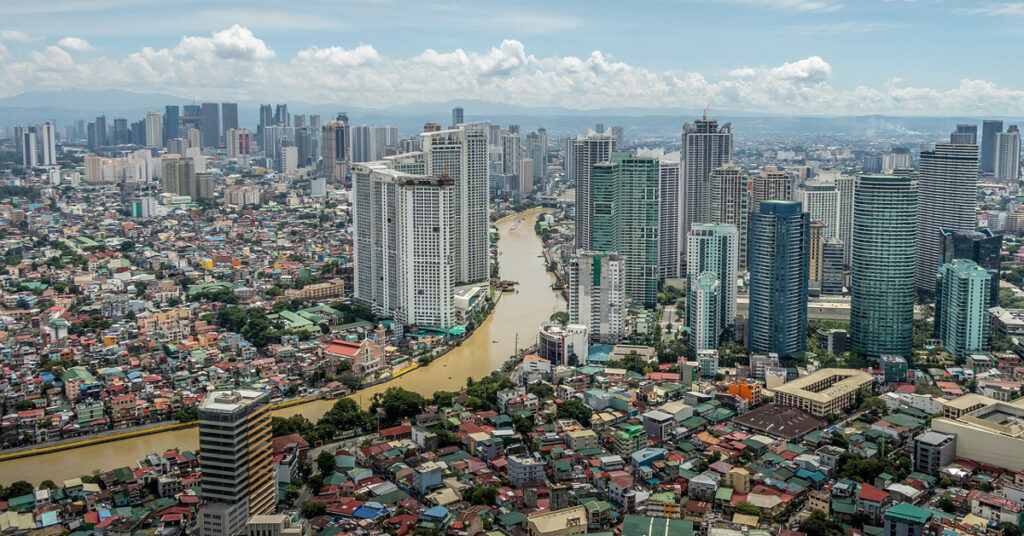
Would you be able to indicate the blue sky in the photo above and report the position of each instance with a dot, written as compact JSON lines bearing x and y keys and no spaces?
{"x":785,"y":56}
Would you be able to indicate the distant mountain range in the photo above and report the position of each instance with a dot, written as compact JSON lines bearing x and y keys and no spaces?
{"x":65,"y":106}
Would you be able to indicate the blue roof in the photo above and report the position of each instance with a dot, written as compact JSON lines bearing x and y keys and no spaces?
{"x":599,"y":353}
{"x":367,"y":512}
{"x":436,"y":512}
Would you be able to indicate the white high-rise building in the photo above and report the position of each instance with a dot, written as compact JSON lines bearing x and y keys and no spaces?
{"x":461,"y":154}
{"x":360,"y":143}
{"x":703,"y":311}
{"x":705,"y":147}
{"x":239,"y":142}
{"x":821,"y":200}
{"x":771,"y":184}
{"x":510,"y":149}
{"x":289,"y":159}
{"x":1008,"y":154}
{"x":668,"y":218}
{"x":582,"y":152}
{"x":48,"y":144}
{"x":404,"y":244}
{"x":714,"y":248}
{"x":947,"y":191}
{"x":526,"y":176}
{"x":597,"y":294}
{"x":154,"y":129}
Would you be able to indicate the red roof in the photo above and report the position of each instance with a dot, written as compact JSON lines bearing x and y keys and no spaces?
{"x":873,"y":494}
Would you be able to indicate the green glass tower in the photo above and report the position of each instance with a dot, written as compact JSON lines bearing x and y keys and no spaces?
{"x":882,"y":285}
{"x":961,"y":293}
{"x":624,"y":195}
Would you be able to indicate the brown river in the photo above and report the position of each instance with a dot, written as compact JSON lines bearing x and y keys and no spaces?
{"x":519,"y":259}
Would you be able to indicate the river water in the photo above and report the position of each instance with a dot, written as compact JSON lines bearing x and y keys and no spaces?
{"x":519,"y":259}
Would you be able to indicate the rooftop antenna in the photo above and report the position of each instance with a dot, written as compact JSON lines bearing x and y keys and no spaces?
{"x":706,"y":108}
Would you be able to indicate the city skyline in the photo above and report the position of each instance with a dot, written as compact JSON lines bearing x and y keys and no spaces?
{"x":811,"y":57}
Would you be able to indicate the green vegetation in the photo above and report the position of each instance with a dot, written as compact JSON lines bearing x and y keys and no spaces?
{"x":574,"y":409}
{"x":820,"y":524}
{"x":1009,"y":300}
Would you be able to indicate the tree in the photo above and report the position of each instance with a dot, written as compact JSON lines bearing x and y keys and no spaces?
{"x":17,"y":489}
{"x":351,"y":381}
{"x":574,"y":409}
{"x":325,"y":462}
{"x":188,"y":414}
{"x":947,"y":504}
{"x":542,"y":390}
{"x":561,"y":317}
{"x":481,"y":495}
{"x":820,"y":524}
{"x":397,"y":404}
{"x":48,"y":484}
{"x":311,"y":509}
{"x":24,"y":405}
{"x":522,"y":425}
{"x":746,"y":508}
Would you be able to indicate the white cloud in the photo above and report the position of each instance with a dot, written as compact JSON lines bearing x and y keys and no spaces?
{"x":234,"y":64}
{"x":15,"y":36}
{"x":792,"y":5}
{"x":993,"y":9}
{"x":74,"y":43}
{"x":849,"y":27}
{"x":235,"y":43}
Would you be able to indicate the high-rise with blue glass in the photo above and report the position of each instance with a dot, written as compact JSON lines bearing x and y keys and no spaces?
{"x":779,"y":244}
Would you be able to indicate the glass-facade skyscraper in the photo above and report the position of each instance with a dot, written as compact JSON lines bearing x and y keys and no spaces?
{"x":779,"y":243}
{"x":882,"y":274}
{"x":961,"y":294}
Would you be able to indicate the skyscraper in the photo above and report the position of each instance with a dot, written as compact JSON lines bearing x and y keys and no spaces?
{"x":510,"y":153}
{"x":171,"y":122}
{"x":815,"y":260}
{"x":730,"y":204}
{"x":771,"y":183}
{"x":962,"y":294}
{"x":536,"y":149}
{"x":266,"y":118}
{"x":239,"y":142}
{"x":1007,"y":166}
{"x":229,"y":116}
{"x":48,"y":144}
{"x":28,"y":147}
{"x":101,"y":131}
{"x":154,"y":129}
{"x":979,"y":245}
{"x":703,"y":312}
{"x":705,"y":147}
{"x":625,"y":219}
{"x":832,"y":280}
{"x":281,"y":116}
{"x":821,"y":200}
{"x":882,"y":284}
{"x":714,"y":248}
{"x":457,"y":118}
{"x":461,"y":153}
{"x":597,"y":294}
{"x":668,"y":219}
{"x":989,"y":130}
{"x":965,"y":134}
{"x":334,"y":139}
{"x":581,"y":155}
{"x":404,"y":244}
{"x":360,"y":143}
{"x":235,"y":458}
{"x":948,"y":187}
{"x":209,"y":126}
{"x":779,"y":244}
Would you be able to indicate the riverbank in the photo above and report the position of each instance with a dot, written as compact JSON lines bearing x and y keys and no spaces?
{"x":513,"y":323}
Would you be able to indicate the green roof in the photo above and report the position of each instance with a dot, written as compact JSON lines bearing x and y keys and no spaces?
{"x":651,"y":526}
{"x":909,"y":513}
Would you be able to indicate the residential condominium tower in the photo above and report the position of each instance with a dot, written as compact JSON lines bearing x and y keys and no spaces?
{"x":461,"y":154}
{"x":705,"y":146}
{"x":235,"y":458}
{"x":730,"y":203}
{"x":1008,"y":154}
{"x":947,"y":190}
{"x":597,"y":294}
{"x":714,"y":248}
{"x":882,"y":274}
{"x":990,"y":129}
{"x":404,"y":244}
{"x":582,"y":152}
{"x":779,"y":245}
{"x":961,"y":293}
{"x":668,"y":219}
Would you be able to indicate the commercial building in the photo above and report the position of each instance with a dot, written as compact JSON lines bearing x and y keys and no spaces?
{"x":457,"y":116}
{"x":933,"y":451}
{"x":461,"y":155}
{"x":882,"y":276}
{"x":779,"y":244}
{"x":771,"y":184}
{"x":404,"y":244}
{"x":209,"y":124}
{"x":705,"y":147}
{"x":992,"y":434}
{"x":582,"y":152}
{"x":564,"y":522}
{"x":624,"y":198}
{"x":833,"y":279}
{"x":276,"y":525}
{"x":558,"y":344}
{"x":990,"y":129}
{"x":235,"y":460}
{"x":820,"y":199}
{"x":714,"y":248}
{"x":947,"y":189}
{"x":730,"y":203}
{"x":961,"y":304}
{"x":334,"y":141}
{"x":597,"y":294}
{"x":824,"y":391}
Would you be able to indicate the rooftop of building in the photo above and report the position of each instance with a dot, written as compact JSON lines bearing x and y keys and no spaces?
{"x":780,"y":421}
{"x":842,"y":381}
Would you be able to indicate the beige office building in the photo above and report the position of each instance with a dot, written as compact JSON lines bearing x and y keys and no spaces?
{"x":825,"y":391}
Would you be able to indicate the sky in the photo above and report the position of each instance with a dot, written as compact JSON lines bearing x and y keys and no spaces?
{"x":825,"y":57}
